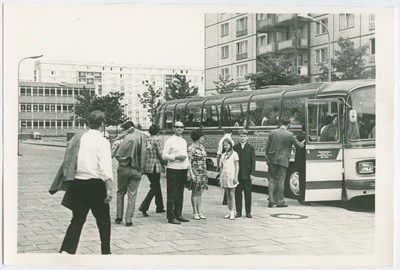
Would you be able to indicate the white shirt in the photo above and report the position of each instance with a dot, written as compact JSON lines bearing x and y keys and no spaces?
{"x":220,"y":144}
{"x":175,"y":146}
{"x":94,"y":157}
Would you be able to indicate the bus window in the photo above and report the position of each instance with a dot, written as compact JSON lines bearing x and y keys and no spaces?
{"x":169,"y":116}
{"x":264,"y":110}
{"x":211,"y":113}
{"x":193,"y":114}
{"x":363,"y":101}
{"x":323,"y":122}
{"x":235,"y":112}
{"x":294,"y":109}
{"x":180,"y":112}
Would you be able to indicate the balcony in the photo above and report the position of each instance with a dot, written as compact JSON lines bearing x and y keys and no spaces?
{"x":266,"y":48}
{"x":284,"y":17}
{"x":302,"y":42}
{"x":240,"y":33}
{"x":241,"y":56}
{"x":267,"y":22}
{"x":303,"y":70}
{"x":285,"y":44}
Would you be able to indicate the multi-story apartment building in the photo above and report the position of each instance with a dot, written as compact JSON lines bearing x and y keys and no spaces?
{"x":128,"y":79}
{"x":49,"y":107}
{"x":236,"y":42}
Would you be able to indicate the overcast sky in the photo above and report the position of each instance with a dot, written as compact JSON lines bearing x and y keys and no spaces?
{"x":103,"y":33}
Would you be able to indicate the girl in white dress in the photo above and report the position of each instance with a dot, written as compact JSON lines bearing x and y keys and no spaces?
{"x":229,"y":175}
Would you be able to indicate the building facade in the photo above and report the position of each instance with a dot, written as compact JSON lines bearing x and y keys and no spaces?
{"x":235,"y":43}
{"x":127,"y":79}
{"x":48,"y":108}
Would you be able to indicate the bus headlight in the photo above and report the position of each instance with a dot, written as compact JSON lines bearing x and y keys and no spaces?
{"x":364,"y":167}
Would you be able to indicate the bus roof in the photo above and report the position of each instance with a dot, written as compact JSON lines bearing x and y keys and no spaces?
{"x":323,"y":89}
{"x":343,"y":88}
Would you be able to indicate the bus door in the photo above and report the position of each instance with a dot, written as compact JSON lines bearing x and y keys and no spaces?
{"x":324,"y":158}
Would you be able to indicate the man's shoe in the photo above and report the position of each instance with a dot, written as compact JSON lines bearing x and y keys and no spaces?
{"x":182,"y":219}
{"x":173,"y":221}
{"x":282,"y":205}
{"x":224,"y":203}
{"x":143,"y":211}
{"x":129,"y":224}
{"x":118,"y":220}
{"x":270,"y":205}
{"x":160,"y":211}
{"x":238,"y":215}
{"x":249,"y":215}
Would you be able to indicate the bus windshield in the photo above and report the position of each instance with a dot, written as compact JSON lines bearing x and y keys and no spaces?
{"x":363,"y":101}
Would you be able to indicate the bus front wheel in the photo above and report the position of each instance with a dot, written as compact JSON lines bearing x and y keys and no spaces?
{"x":292,"y":183}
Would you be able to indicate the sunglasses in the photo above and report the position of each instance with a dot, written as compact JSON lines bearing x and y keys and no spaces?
{"x":179,"y":127}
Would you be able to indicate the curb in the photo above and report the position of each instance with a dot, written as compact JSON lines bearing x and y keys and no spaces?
{"x":45,"y":144}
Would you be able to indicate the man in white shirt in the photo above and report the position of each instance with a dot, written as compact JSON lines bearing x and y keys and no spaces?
{"x":227,"y":135}
{"x":175,"y":151}
{"x":92,"y":187}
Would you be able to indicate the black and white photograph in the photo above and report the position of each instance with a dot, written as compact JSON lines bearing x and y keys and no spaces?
{"x":198,"y":135}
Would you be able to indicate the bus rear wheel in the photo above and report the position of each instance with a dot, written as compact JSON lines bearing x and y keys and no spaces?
{"x":292,"y":184}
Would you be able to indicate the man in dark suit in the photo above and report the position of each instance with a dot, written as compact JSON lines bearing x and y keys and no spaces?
{"x":247,"y":165}
{"x":278,"y":150}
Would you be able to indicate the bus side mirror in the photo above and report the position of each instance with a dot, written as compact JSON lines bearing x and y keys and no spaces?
{"x":353,"y":116}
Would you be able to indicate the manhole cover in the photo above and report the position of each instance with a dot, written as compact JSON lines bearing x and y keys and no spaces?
{"x":289,"y":216}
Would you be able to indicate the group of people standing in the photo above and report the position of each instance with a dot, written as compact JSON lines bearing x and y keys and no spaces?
{"x":86,"y":174}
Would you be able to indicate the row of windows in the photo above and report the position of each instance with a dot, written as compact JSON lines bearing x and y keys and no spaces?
{"x":241,"y":71}
{"x":262,"y":111}
{"x":241,"y":50}
{"x":51,"y":124}
{"x":46,"y":107}
{"x":241,"y":28}
{"x":51,"y":91}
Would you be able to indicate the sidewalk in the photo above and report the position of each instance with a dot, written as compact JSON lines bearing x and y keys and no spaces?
{"x":319,"y":229}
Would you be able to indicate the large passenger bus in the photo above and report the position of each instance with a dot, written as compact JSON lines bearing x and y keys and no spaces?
{"x":340,"y":164}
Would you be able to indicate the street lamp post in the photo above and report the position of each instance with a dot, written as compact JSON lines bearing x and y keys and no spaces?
{"x":19,"y":63}
{"x":311,"y":19}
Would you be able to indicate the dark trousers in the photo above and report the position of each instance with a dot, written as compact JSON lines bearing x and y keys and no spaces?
{"x":302,"y":183}
{"x":155,"y":191}
{"x":176,"y":180}
{"x":244,"y":185}
{"x":88,"y":195}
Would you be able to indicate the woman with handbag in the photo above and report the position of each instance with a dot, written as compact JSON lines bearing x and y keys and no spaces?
{"x":197,"y":178}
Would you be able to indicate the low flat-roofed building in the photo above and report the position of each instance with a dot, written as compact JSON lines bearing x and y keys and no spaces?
{"x":48,"y":108}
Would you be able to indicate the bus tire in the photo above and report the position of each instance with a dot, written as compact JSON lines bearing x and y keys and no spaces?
{"x":292,"y":183}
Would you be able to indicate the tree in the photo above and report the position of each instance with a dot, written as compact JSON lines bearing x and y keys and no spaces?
{"x":276,"y":70}
{"x":225,"y":85}
{"x":110,"y":104}
{"x":349,"y":63}
{"x":150,"y":100}
{"x":179,"y":88}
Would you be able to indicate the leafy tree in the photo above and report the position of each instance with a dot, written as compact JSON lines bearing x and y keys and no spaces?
{"x":276,"y":70}
{"x":110,"y":104}
{"x":349,"y":63}
{"x":179,"y":88}
{"x":225,"y":85}
{"x":150,"y":100}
